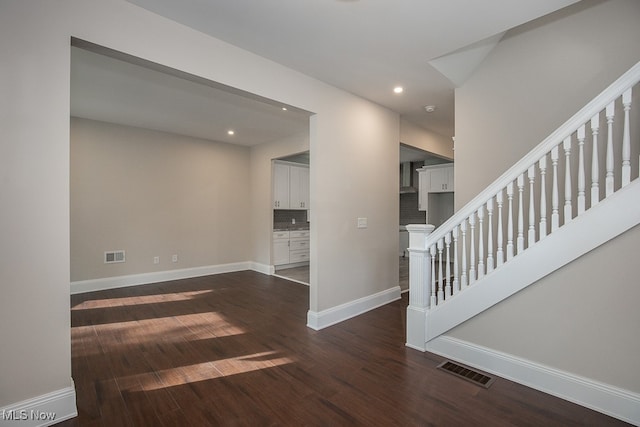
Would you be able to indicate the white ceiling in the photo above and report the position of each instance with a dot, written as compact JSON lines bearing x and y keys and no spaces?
{"x":367,"y":47}
{"x":113,"y":90}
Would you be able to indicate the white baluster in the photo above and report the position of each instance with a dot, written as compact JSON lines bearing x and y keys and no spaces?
{"x":626,"y":139}
{"x":608,"y":179}
{"x":480,"y":243}
{"x":440,"y":281}
{"x":581,"y":174}
{"x":510,"y":221}
{"x":464,"y":280}
{"x":595,"y":168}
{"x":543,"y":197}
{"x":432,"y":251}
{"x":566,"y":145}
{"x":555,"y":215}
{"x":447,"y":279}
{"x":520,"y":238}
{"x":490,"y":235}
{"x":499,"y":251}
{"x":531,"y":237}
{"x":456,"y":282}
{"x":472,"y":249}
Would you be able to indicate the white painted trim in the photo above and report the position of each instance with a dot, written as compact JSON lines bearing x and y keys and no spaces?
{"x":604,"y":398}
{"x":596,"y":226}
{"x":158,"y":276}
{"x":61,"y":402}
{"x":615,"y":90}
{"x":331,"y":316}
{"x":263,"y":268}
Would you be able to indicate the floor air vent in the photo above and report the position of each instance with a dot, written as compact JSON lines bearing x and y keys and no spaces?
{"x":466,"y":373}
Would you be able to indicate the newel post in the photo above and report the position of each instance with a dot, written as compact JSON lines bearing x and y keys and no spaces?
{"x":419,"y":285}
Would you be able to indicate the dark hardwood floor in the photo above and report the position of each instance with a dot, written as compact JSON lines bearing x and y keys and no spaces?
{"x":233,"y":349}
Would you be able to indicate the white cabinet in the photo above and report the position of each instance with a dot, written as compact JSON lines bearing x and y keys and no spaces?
{"x":290,"y":247}
{"x":436,"y":179}
{"x":290,"y":186}
{"x":298,"y":187}
{"x":280,"y":186}
{"x":280,"y":247}
{"x":441,"y":179}
{"x":298,"y":246}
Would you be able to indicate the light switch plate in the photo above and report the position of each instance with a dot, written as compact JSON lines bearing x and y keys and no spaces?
{"x":362,"y":222}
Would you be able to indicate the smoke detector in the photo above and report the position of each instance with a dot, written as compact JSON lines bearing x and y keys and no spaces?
{"x":429,"y":108}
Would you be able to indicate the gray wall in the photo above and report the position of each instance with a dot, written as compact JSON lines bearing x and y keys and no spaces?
{"x":539,"y":75}
{"x":351,"y":140}
{"x":155,"y":194}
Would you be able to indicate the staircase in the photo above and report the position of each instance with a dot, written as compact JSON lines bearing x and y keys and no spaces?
{"x":580,"y":185}
{"x":576,"y":190}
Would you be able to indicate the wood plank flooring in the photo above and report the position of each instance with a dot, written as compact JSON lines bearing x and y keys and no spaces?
{"x":233,"y":349}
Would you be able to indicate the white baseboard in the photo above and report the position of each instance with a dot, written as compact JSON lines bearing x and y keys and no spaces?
{"x":604,"y":398}
{"x":160,"y":276}
{"x":263,"y":268}
{"x":45,"y":410}
{"x":331,"y":316}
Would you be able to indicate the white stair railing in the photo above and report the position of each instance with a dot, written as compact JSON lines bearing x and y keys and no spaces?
{"x":435,"y":275}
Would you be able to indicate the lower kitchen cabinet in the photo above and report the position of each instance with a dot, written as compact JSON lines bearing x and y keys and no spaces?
{"x":290,"y":247}
{"x":280,"y":247}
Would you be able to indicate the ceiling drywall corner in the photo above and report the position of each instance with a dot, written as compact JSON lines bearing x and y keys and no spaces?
{"x":458,"y":66}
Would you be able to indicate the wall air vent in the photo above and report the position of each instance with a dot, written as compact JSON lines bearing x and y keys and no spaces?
{"x":466,"y":373}
{"x":112,"y":257}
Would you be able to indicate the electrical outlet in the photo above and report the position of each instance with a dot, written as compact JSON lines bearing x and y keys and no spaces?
{"x":156,"y":260}
{"x":362,"y":222}
{"x":174,"y":258}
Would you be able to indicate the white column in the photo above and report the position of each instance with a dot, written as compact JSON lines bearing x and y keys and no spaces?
{"x":456,"y":280}
{"x":447,"y":279}
{"x":595,"y":167}
{"x":490,"y":262}
{"x":472,"y":248}
{"x":626,"y":139}
{"x":480,"y":243}
{"x":510,"y":221}
{"x":581,"y":174}
{"x":568,"y":213}
{"x":555,"y":215}
{"x":440,"y":292}
{"x":419,"y":285}
{"x":520,"y":238}
{"x":608,"y":179}
{"x":499,"y":251}
{"x":543,"y":197}
{"x":531,"y":235}
{"x":464,"y":280}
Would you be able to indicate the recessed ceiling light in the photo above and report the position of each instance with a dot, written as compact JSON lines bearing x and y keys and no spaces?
{"x":231,"y":132}
{"x":284,"y":108}
{"x":398,"y":89}
{"x":430,"y":108}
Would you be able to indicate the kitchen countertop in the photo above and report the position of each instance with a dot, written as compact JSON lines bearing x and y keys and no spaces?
{"x":290,"y":227}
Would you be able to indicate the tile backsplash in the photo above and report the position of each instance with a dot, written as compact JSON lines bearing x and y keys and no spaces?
{"x":409,"y":213}
{"x":284,"y":216}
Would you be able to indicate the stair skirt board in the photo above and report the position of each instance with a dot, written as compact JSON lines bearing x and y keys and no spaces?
{"x":609,"y":400}
{"x":92,"y":285}
{"x":321,"y":319}
{"x":603,"y":222}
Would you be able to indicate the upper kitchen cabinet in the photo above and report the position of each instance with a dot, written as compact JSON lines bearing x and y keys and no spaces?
{"x":434,"y":179}
{"x":290,"y":186}
{"x":298,"y":187}
{"x":440,"y":178}
{"x":280,"y":186}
